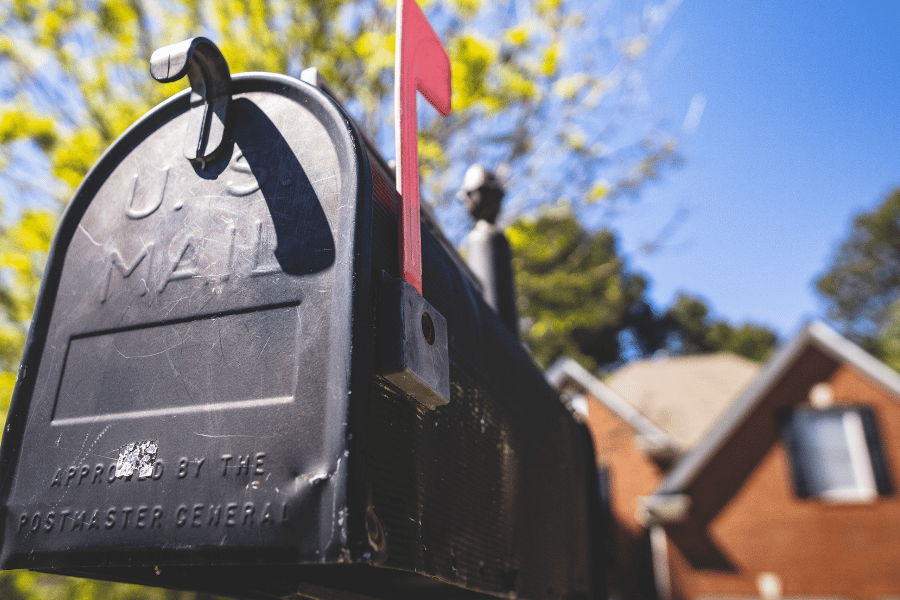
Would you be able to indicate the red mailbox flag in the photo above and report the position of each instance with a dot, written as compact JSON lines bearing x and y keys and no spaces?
{"x":421,"y":64}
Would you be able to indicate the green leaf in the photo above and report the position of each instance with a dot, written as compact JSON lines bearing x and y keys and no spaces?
{"x":19,"y":123}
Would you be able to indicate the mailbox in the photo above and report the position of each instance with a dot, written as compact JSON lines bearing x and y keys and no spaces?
{"x":212,"y":395}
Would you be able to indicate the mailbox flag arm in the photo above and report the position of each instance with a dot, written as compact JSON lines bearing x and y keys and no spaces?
{"x":207,"y":70}
{"x":421,"y":64}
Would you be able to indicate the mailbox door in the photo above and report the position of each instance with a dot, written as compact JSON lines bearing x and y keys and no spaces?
{"x":185,"y":388}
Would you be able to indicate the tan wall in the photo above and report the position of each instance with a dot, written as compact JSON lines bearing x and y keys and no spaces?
{"x":632,"y":475}
{"x":849,"y":550}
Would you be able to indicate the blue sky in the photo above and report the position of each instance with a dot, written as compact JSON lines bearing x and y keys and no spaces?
{"x":801,"y":131}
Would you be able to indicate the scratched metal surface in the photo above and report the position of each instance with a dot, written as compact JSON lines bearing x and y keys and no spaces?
{"x":205,"y":310}
{"x":200,"y":388}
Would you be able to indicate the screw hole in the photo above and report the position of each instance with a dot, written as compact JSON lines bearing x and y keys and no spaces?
{"x":428,"y":328}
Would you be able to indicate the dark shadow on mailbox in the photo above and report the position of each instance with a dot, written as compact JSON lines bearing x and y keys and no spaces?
{"x":304,"y":242}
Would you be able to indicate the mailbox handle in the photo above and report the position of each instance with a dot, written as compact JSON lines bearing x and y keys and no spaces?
{"x":421,"y":64}
{"x":207,"y":70}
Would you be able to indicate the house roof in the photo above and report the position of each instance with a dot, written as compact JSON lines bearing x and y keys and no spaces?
{"x":815,"y":334}
{"x":684,"y":396}
{"x":567,"y":370}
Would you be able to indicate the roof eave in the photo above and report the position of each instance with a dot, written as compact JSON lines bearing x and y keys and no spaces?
{"x":567,"y":368}
{"x":815,"y":334}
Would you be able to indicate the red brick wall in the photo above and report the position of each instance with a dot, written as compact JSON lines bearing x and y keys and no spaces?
{"x":632,"y":475}
{"x":849,"y":550}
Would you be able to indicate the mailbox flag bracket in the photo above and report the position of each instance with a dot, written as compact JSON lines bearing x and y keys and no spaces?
{"x":207,"y":70}
{"x":412,"y":343}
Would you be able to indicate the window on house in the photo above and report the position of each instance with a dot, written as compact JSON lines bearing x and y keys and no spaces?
{"x":835,"y":454}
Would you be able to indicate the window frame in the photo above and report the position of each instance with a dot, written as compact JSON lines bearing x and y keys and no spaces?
{"x":863,"y":442}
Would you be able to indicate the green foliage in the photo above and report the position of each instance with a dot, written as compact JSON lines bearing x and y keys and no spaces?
{"x":574,"y":290}
{"x":861,"y":287}
{"x":18,"y":123}
{"x":23,"y":251}
{"x":862,"y":284}
{"x":471,"y":58}
{"x":578,"y":298}
{"x":887,"y":345}
{"x":77,"y":77}
{"x":697,"y":333}
{"x":25,"y":585}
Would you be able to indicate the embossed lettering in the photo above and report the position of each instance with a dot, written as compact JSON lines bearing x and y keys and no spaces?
{"x":239,"y":164}
{"x":267,"y":515}
{"x":199,"y":464}
{"x":70,"y":475}
{"x":226,"y":458}
{"x":141,"y":515}
{"x":198,"y":515}
{"x":127,"y":512}
{"x":111,"y":476}
{"x":182,"y":467}
{"x":232,"y":234}
{"x":157,"y":517}
{"x":98,"y":473}
{"x":158,"y":468}
{"x":260,"y":456}
{"x":85,"y":471}
{"x":243,"y":467}
{"x":48,"y":525}
{"x":181,"y":516}
{"x":57,"y":481}
{"x":139,"y":213}
{"x":230,"y":511}
{"x":260,"y":267}
{"x":182,"y":262}
{"x":62,"y":521}
{"x":125,"y":270}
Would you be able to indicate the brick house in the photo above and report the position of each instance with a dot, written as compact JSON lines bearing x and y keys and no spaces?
{"x":785,"y":490}
{"x":791,"y":494}
{"x":633,"y":452}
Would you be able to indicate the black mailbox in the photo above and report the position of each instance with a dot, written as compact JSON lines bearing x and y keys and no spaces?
{"x":203,"y":400}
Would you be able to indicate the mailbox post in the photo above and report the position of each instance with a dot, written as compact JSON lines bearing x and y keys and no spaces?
{"x":209,"y":398}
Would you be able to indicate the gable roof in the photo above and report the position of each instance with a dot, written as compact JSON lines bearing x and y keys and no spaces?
{"x":684,"y":395}
{"x":815,"y":334}
{"x":566,"y":369}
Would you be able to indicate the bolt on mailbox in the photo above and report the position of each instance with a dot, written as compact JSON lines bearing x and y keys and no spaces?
{"x":228,"y":386}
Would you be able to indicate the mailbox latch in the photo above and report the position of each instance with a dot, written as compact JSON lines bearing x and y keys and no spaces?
{"x":207,"y":70}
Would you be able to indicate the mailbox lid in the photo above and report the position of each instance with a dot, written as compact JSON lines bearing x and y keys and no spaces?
{"x":186,"y":381}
